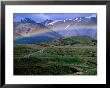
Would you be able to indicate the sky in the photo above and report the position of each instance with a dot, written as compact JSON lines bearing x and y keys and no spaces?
{"x":40,"y":17}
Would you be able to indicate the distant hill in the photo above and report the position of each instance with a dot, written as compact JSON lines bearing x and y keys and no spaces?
{"x":83,"y":40}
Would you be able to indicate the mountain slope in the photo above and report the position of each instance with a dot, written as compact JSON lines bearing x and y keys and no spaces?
{"x":49,"y":30}
{"x":83,"y":40}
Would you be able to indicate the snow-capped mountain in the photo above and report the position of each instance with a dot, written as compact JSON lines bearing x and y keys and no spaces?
{"x":46,"y":22}
{"x":54,"y":29}
{"x":81,"y":21}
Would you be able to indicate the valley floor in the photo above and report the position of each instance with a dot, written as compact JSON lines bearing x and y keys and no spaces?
{"x":32,"y":59}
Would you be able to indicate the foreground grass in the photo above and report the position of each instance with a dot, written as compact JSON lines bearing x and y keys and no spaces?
{"x":55,"y":60}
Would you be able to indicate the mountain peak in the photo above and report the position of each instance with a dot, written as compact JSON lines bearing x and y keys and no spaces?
{"x":46,"y":22}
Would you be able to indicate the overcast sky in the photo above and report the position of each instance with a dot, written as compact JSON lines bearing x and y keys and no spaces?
{"x":39,"y":17}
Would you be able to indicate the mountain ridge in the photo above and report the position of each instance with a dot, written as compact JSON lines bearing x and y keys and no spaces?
{"x":79,"y":26}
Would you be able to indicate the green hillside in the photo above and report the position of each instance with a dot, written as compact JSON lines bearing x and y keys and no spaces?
{"x":69,"y":56}
{"x":82,"y":40}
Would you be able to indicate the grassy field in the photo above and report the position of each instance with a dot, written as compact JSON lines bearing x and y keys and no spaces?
{"x":51,"y":59}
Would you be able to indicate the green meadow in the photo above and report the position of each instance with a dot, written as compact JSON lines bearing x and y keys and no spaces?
{"x":70,"y":56}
